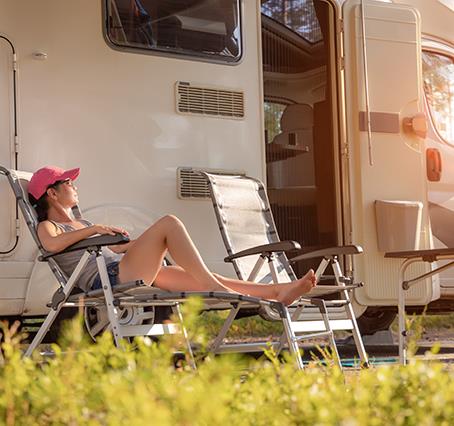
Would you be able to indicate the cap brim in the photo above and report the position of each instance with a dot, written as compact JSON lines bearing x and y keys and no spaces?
{"x":72,"y":174}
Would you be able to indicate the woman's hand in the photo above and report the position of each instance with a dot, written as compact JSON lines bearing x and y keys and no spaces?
{"x":109,"y":230}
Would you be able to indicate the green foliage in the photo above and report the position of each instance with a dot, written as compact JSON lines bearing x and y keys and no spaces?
{"x":428,"y":322}
{"x":90,"y":384}
{"x":242,"y":328}
{"x":437,"y":322}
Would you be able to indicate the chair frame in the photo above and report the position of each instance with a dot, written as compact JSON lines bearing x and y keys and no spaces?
{"x":276,"y":250}
{"x":135,"y":293}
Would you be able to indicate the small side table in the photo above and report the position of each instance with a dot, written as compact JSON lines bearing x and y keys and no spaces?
{"x":411,"y":257}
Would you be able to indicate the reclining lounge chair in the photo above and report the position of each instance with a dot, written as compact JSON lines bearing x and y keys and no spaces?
{"x":250,"y":236}
{"x":121,"y":302}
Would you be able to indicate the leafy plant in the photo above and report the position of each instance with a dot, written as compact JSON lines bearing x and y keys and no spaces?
{"x":91,"y":384}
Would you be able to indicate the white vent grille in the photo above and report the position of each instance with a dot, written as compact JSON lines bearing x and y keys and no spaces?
{"x":193,"y":186}
{"x":209,"y":101}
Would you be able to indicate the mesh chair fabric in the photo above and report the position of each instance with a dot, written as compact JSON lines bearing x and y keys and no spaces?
{"x":245,"y":221}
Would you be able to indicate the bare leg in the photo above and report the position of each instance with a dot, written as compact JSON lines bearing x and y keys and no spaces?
{"x":144,"y":258}
{"x":284,"y":292}
{"x":174,"y":278}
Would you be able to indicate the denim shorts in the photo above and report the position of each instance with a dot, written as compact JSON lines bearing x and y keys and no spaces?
{"x":112,"y":272}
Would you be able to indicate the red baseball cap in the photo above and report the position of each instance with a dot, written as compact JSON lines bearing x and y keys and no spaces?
{"x":47,"y":176}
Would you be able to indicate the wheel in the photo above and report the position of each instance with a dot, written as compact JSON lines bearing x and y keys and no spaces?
{"x":97,"y":321}
{"x":268,"y":313}
{"x":375,"y":319}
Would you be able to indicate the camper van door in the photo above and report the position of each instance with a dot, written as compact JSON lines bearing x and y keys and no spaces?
{"x":384,"y":106}
{"x":438,"y":72}
{"x":7,"y":132}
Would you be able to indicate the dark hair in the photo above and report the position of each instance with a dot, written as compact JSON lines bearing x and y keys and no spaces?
{"x":41,"y":205}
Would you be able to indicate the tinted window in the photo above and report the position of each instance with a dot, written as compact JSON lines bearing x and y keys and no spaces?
{"x":438,"y":73}
{"x":200,"y":28}
{"x":297,"y":15}
{"x":273,"y":114}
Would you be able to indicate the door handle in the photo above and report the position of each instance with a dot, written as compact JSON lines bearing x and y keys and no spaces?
{"x":433,"y":164}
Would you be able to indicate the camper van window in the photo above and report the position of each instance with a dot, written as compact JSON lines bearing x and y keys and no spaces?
{"x":195,"y":28}
{"x":299,"y":16}
{"x":438,"y":73}
{"x":273,"y":114}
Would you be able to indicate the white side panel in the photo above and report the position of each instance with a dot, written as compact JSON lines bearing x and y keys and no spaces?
{"x":14,"y":278}
{"x":394,"y":79}
{"x":7,"y":205}
{"x":436,"y":17}
{"x":40,"y":293}
{"x":113,"y":114}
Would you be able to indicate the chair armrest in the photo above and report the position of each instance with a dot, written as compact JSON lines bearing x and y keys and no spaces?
{"x":329,"y":252}
{"x":266,"y":249}
{"x":91,"y":243}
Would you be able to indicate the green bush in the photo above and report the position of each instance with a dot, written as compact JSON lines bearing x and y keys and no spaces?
{"x":87,"y":384}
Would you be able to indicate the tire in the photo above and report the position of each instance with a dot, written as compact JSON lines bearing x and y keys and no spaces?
{"x":96,"y":321}
{"x":375,"y":319}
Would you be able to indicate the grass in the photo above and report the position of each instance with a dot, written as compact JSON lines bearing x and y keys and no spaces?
{"x":242,"y":328}
{"x":438,"y":322}
{"x":429,"y":323}
{"x":257,"y":327}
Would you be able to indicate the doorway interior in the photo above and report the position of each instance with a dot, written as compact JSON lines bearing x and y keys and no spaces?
{"x":299,"y":136}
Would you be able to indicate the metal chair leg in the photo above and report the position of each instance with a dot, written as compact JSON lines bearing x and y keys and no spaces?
{"x":52,"y":315}
{"x":225,"y":328}
{"x":112,"y":311}
{"x":324,"y":313}
{"x":191,"y":360}
{"x":289,"y":332}
{"x":351,"y":315}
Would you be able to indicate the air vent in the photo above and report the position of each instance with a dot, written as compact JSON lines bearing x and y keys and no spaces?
{"x":191,"y":185}
{"x":211,"y":101}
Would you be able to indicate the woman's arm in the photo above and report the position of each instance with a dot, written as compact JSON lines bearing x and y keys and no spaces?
{"x":54,"y":240}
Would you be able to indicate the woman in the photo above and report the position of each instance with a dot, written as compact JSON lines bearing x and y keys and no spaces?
{"x":53,"y":194}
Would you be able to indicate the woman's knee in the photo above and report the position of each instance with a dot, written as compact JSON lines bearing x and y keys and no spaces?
{"x":170,"y":221}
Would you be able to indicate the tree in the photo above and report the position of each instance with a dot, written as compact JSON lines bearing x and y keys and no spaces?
{"x":298,"y":15}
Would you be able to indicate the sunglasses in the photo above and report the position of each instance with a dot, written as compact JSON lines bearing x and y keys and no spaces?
{"x":60,"y":182}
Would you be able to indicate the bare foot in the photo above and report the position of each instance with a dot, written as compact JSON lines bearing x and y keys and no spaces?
{"x":293,"y":291}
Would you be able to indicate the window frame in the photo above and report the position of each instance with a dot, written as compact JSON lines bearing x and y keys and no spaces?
{"x":439,"y":52}
{"x":276,"y":100}
{"x":296,"y":33}
{"x":173,"y":54}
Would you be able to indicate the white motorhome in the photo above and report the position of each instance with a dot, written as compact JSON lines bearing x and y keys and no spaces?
{"x":344,"y":109}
